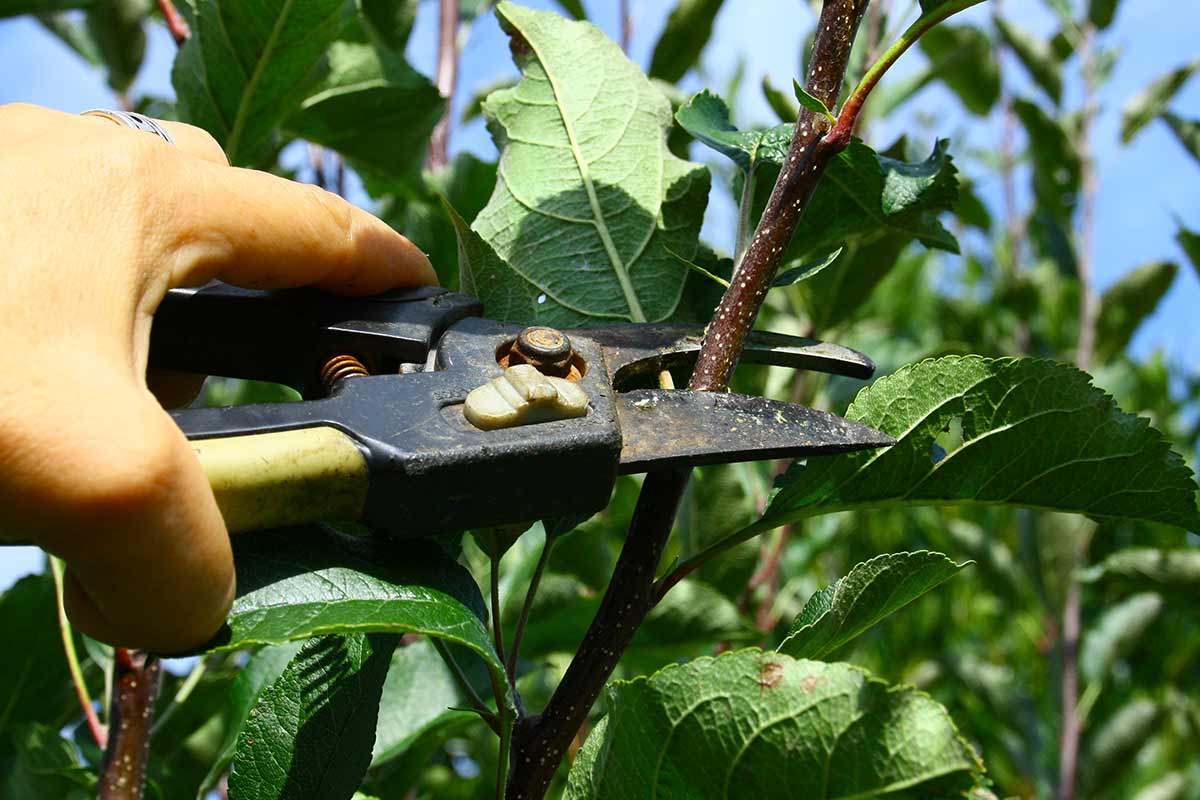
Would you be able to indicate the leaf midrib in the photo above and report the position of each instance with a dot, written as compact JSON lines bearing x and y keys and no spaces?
{"x":243,"y":112}
{"x":622,"y":272}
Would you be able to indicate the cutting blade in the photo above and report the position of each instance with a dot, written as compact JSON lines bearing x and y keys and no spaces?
{"x":688,"y":428}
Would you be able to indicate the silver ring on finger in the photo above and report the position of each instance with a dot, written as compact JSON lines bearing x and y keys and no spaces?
{"x":131,"y":119}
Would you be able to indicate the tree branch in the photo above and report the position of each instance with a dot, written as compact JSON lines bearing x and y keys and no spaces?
{"x":135,"y":688}
{"x":540,"y":742}
{"x":446,"y":81}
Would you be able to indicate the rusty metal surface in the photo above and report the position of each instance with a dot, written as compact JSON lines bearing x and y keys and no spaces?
{"x":636,"y":349}
{"x":685,"y":428}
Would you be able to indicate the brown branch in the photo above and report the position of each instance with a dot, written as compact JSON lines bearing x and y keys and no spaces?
{"x":626,"y":27}
{"x":540,"y":742}
{"x":136,"y":678}
{"x":446,"y":81}
{"x":176,"y":24}
{"x":1072,"y":727}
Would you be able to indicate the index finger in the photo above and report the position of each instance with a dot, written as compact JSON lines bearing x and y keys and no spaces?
{"x":260,"y":231}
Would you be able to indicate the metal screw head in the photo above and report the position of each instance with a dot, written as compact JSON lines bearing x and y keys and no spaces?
{"x":544,"y":347}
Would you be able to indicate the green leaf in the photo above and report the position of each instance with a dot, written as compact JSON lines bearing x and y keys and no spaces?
{"x":1170,"y":569}
{"x":374,"y":109}
{"x":588,"y":198}
{"x":116,"y":29}
{"x":1187,"y":131}
{"x":1190,"y":242}
{"x":1116,"y":633}
{"x":1127,"y":304}
{"x":15,"y":8}
{"x":688,"y":29}
{"x":390,"y":22}
{"x":706,"y":117}
{"x":930,"y":5}
{"x":813,"y":104}
{"x":1036,"y":55}
{"x":870,"y":592}
{"x":37,"y":684}
{"x":299,"y":583}
{"x":1153,"y":100}
{"x":804,"y":271}
{"x":699,"y":270}
{"x":1110,"y":747}
{"x":1034,"y":433}
{"x":420,"y":696}
{"x":311,"y":732}
{"x":261,"y":670}
{"x":1057,"y":168}
{"x":865,"y":195}
{"x":1172,"y":786}
{"x":962,"y":58}
{"x":247,"y":66}
{"x":748,"y":723}
{"x":43,"y":764}
{"x":1102,"y":12}
{"x":574,"y":8}
{"x":73,"y":34}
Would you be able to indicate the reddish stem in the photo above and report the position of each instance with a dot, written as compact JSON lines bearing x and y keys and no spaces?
{"x":446,"y":81}
{"x":176,"y":24}
{"x":136,"y":678}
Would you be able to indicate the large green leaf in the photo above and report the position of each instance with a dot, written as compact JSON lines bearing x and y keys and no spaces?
{"x":871,"y":591}
{"x":311,"y":732}
{"x":1116,"y":633}
{"x":589,"y":203}
{"x":247,"y":66}
{"x":1034,"y":433}
{"x":1057,"y":168}
{"x":1190,"y":242}
{"x":304,"y":582}
{"x":1153,"y":100}
{"x":261,"y":670}
{"x":1036,"y":55}
{"x":390,"y":22}
{"x":1187,"y":131}
{"x":688,"y":29}
{"x":962,"y":57}
{"x":420,"y":695}
{"x":73,"y":33}
{"x":756,"y":724}
{"x":1127,"y":304}
{"x":706,"y":117}
{"x":37,"y":684}
{"x":374,"y":109}
{"x":36,"y":762}
{"x":1171,"y":569}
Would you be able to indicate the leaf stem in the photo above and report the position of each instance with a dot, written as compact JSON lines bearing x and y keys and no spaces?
{"x":98,"y":729}
{"x":460,"y":677}
{"x":848,"y":117}
{"x":527,"y":606}
{"x":494,"y":589}
{"x":175,"y":22}
{"x":182,"y":694}
{"x":446,"y":81}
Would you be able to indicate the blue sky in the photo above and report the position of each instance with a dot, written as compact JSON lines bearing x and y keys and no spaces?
{"x":1142,"y":187}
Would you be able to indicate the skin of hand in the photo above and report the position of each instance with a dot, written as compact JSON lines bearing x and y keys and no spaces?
{"x":97,"y":222}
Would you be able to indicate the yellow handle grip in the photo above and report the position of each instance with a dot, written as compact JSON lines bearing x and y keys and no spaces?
{"x":269,"y":480}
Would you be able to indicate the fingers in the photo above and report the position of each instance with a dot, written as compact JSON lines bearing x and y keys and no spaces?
{"x":260,"y":231}
{"x":119,"y":494}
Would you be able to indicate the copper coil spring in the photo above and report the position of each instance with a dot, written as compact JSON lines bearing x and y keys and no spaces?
{"x":338,"y":369}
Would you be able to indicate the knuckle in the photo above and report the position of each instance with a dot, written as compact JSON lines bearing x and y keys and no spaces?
{"x":207,"y":141}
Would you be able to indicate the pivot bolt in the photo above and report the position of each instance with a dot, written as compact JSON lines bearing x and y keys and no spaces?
{"x":543,"y":348}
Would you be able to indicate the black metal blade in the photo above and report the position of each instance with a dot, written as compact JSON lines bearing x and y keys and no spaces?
{"x":641,"y":348}
{"x":686,"y":428}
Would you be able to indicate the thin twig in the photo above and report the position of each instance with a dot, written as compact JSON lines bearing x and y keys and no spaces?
{"x":526,"y":607}
{"x":1072,"y":727}
{"x":176,"y":24}
{"x":494,"y":567}
{"x":446,"y":81}
{"x":136,"y":680}
{"x":460,"y":677}
{"x":98,"y":729}
{"x":626,"y":26}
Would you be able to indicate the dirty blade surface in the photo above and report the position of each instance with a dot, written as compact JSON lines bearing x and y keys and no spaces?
{"x":686,"y":428}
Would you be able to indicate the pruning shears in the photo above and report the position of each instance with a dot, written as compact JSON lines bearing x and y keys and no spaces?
{"x":420,"y":416}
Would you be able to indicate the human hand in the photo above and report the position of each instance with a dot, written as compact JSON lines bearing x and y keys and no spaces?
{"x":97,"y":222}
